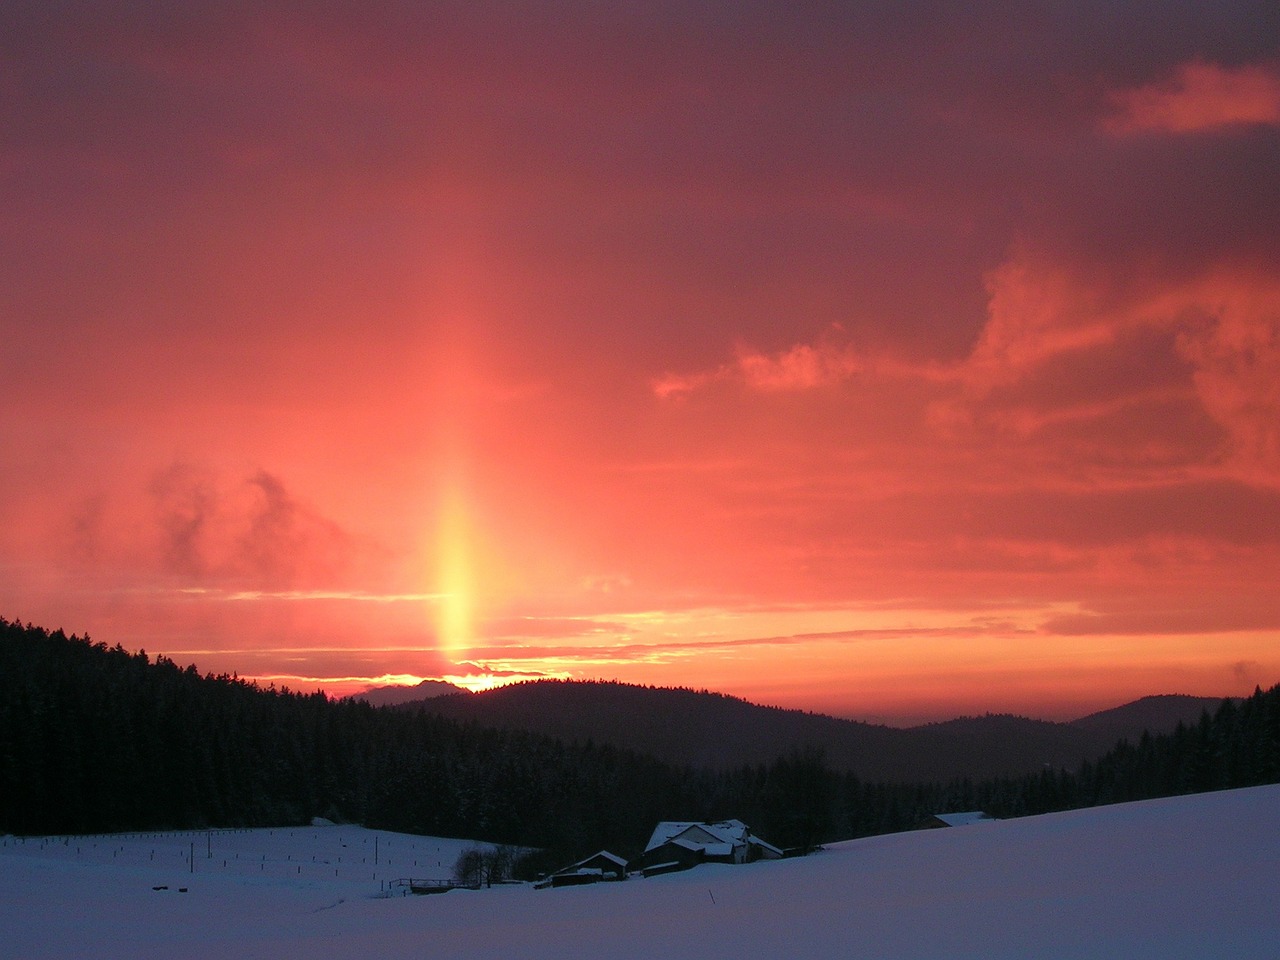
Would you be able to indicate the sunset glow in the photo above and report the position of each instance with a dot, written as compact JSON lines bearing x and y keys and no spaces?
{"x":893,"y":366}
{"x":454,"y":626}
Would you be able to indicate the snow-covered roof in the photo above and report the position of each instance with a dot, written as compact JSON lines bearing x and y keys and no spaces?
{"x":962,"y":819}
{"x":703,"y":835}
{"x":684,"y":842}
{"x":666,"y":831}
{"x":756,"y":841}
{"x":612,"y":858}
{"x":581,"y":866}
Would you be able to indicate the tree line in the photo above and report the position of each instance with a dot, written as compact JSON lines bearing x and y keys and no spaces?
{"x":97,"y":739}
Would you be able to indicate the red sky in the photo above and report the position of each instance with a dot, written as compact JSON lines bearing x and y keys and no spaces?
{"x":895,"y":361}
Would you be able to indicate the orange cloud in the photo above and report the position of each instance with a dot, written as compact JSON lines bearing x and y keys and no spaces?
{"x":1063,"y":348}
{"x":678,"y":385}
{"x":1235,"y":349}
{"x":1200,"y":96}
{"x":802,"y":366}
{"x":1036,"y":310}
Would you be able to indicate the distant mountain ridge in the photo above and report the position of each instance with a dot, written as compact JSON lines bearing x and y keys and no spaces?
{"x":395,"y":694}
{"x":717,"y":731}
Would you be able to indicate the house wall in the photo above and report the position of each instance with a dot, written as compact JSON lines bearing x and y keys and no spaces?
{"x":668,"y":853}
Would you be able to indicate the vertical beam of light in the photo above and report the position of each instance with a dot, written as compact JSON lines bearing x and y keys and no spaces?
{"x":456,"y":586}
{"x":454,"y":368}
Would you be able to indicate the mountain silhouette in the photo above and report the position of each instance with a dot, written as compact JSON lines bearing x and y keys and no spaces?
{"x":398,"y":693}
{"x":700,"y":728}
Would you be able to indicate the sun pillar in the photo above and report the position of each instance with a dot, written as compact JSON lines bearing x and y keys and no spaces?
{"x":455,"y":612}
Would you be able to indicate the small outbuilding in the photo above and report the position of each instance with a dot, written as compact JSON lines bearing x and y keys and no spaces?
{"x":599,"y":866}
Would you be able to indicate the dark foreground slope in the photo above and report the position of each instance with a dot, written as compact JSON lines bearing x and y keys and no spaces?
{"x":721,"y":732}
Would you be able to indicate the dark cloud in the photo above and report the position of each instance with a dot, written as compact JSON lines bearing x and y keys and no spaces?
{"x":490,"y":671}
{"x":659,"y":650}
{"x":285,"y":540}
{"x":815,"y":157}
{"x":1248,"y":670}
{"x":318,"y":662}
{"x":185,"y":505}
{"x":1169,"y":621}
{"x":251,"y":535}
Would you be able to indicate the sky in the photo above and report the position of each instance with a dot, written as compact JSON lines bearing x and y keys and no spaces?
{"x":897,"y":361}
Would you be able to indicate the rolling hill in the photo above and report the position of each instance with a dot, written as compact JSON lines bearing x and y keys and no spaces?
{"x":1156,"y":714}
{"x":704,"y":729}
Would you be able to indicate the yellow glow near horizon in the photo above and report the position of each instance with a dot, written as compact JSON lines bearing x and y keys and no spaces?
{"x":455,"y":613}
{"x":479,"y":682}
{"x":352,"y":685}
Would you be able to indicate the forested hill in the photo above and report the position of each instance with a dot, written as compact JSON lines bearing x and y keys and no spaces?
{"x":1155,"y":714}
{"x":722,"y":732}
{"x":96,"y":739}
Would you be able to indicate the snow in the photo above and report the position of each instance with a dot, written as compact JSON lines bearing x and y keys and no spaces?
{"x":727,"y":833}
{"x":1190,"y":877}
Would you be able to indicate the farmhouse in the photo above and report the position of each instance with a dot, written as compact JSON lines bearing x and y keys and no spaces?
{"x":678,"y":845}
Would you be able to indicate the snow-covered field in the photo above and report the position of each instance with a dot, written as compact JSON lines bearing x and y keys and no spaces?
{"x":1192,"y":877}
